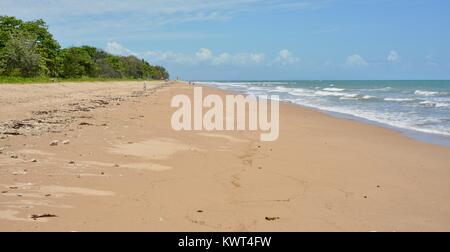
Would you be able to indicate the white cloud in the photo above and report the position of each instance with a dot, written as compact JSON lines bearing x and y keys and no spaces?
{"x":286,"y":57}
{"x":222,"y":58}
{"x":257,"y":57}
{"x":157,"y":57}
{"x":393,"y":56}
{"x":248,"y":58}
{"x":204,"y":54}
{"x":168,"y":56}
{"x":117,"y":49}
{"x":356,"y":60}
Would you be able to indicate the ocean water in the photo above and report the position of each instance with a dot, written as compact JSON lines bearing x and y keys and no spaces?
{"x":420,"y":108}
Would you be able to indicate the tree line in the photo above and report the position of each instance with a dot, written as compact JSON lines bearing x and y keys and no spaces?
{"x":28,"y":49}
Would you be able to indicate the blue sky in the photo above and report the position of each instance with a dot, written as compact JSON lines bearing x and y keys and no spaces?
{"x":260,"y":39}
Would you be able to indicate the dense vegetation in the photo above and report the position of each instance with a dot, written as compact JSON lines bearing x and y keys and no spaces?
{"x":28,"y":50}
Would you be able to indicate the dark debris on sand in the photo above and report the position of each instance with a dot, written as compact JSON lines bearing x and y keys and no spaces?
{"x":37,"y":216}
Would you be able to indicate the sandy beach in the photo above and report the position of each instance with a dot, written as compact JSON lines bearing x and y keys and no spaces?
{"x":104,"y":157}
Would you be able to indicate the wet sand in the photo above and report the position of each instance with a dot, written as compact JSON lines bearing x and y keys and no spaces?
{"x":116,"y":165}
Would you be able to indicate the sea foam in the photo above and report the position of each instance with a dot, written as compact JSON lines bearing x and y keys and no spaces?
{"x":334,"y":89}
{"x":430,"y":93}
{"x":414,"y":105}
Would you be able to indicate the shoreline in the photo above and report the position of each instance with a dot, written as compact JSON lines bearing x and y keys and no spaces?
{"x":425,"y":137}
{"x":124,"y":169}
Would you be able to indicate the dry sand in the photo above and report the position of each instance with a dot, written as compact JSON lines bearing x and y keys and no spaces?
{"x":119,"y":166}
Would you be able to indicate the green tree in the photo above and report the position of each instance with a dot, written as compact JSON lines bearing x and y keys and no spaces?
{"x":158,"y":73}
{"x":8,"y":26}
{"x":105,"y":69}
{"x":134,"y":67}
{"x":118,"y":65}
{"x":47,"y":47}
{"x":28,"y":49}
{"x":76,"y":62}
{"x":20,"y":57}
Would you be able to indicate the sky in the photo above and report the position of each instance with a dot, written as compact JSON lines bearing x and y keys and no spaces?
{"x":259,"y":39}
